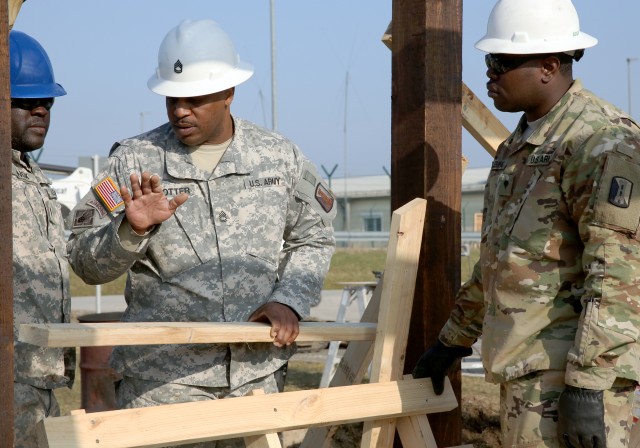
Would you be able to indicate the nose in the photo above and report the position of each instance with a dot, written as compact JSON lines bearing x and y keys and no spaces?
{"x":40,"y":111}
{"x":179,"y":107}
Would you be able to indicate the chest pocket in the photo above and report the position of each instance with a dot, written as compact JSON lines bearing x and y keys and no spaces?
{"x":535,"y":213}
{"x":261,"y":216}
{"x":185,"y":240}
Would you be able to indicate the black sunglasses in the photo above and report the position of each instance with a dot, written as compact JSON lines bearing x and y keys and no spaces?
{"x":500,"y":63}
{"x":31,"y":103}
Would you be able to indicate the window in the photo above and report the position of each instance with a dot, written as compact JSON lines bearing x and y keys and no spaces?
{"x":372,"y":222}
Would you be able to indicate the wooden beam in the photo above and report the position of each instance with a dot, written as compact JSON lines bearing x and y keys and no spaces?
{"x":14,"y":9}
{"x":351,"y":370}
{"x":268,"y":440}
{"x":145,"y":333}
{"x":401,"y":271}
{"x":477,"y":119}
{"x":6,"y":248}
{"x":243,"y":416}
{"x":426,"y":140}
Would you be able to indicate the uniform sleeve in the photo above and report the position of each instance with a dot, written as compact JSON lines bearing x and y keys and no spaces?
{"x":308,"y":243}
{"x":464,"y":326}
{"x":602,"y":186}
{"x":94,"y":249}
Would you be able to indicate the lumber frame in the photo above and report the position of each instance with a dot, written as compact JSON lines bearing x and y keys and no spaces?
{"x":243,"y":416}
{"x":398,"y":290}
{"x":291,"y":410}
{"x":147,"y":333}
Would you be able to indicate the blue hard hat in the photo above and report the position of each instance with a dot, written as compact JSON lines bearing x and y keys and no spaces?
{"x":31,"y":71}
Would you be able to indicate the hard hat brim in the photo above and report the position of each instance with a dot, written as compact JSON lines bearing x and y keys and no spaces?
{"x":579,"y":42}
{"x":178,"y":89}
{"x":37,"y":91}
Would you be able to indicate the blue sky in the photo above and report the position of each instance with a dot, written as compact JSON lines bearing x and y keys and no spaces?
{"x":104,"y":52}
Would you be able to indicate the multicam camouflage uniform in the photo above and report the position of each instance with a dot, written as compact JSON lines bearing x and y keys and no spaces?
{"x":40,"y":295}
{"x":557,"y":286}
{"x":219,"y":257}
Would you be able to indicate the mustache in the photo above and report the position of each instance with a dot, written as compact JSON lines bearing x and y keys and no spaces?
{"x":183,"y":123}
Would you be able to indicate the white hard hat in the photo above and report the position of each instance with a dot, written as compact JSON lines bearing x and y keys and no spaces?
{"x":530,"y":27}
{"x":197,"y":58}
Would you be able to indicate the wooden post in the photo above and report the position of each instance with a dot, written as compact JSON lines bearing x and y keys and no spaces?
{"x":426,"y":138}
{"x":6,"y":248}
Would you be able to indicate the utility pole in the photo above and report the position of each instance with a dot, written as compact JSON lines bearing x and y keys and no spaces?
{"x":274,"y":101}
{"x":347,"y":212}
{"x":629,"y":61}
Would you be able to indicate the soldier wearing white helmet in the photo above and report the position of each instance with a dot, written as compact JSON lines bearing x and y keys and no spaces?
{"x":555,"y":292}
{"x":217,"y":220}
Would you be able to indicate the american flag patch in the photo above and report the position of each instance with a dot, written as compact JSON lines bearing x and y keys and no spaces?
{"x":107,"y":191}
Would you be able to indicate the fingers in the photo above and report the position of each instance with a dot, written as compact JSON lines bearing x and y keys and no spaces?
{"x":126,"y":197}
{"x":285,"y":334}
{"x":178,"y":201}
{"x":438,"y":384}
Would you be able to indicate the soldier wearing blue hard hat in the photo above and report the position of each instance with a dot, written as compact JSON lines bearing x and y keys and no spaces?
{"x":40,"y":272}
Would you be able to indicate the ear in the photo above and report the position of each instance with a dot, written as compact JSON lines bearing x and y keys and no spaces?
{"x":229,"y":99}
{"x":550,"y":68}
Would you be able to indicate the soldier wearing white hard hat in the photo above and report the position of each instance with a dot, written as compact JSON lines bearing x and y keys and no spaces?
{"x":216,"y":220}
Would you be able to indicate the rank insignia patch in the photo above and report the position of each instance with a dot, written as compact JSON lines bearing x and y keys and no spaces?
{"x":107,"y":191}
{"x":83,"y":218}
{"x":324,"y":198}
{"x":620,"y":192}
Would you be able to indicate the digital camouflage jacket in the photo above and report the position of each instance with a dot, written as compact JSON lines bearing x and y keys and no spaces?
{"x":257,"y":229}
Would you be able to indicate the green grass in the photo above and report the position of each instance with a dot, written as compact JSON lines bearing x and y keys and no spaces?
{"x":347,"y":265}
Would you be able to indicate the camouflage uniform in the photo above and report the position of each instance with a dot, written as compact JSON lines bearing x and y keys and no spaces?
{"x":40,"y":295}
{"x":221,"y":255}
{"x":557,"y":284}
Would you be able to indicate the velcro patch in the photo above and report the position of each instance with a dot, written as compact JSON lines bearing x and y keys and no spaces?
{"x":107,"y":191}
{"x":324,"y":198}
{"x":83,"y":218}
{"x":617,"y":202}
{"x":98,"y":207}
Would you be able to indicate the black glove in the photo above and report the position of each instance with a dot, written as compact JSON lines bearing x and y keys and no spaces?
{"x":581,"y":418}
{"x":436,"y":362}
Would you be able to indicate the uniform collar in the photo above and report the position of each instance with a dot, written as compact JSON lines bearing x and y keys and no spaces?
{"x":547,"y":123}
{"x":179,"y":164}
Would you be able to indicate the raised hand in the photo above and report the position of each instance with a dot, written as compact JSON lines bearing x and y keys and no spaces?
{"x":146,"y":205}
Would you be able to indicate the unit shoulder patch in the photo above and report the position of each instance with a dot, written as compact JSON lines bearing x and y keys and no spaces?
{"x":617,"y":201}
{"x":324,"y":198}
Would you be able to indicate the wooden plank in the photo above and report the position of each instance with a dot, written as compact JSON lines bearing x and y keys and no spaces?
{"x":14,"y":9}
{"x":351,"y":370}
{"x":243,"y":416}
{"x":415,"y":431}
{"x":144,"y":333}
{"x":478,"y":120}
{"x":401,"y":271}
{"x":268,"y":440}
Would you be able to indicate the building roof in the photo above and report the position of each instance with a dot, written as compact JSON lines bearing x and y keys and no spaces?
{"x":473,"y":179}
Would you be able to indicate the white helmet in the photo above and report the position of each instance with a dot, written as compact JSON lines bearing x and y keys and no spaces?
{"x":530,"y":27}
{"x":197,"y":58}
